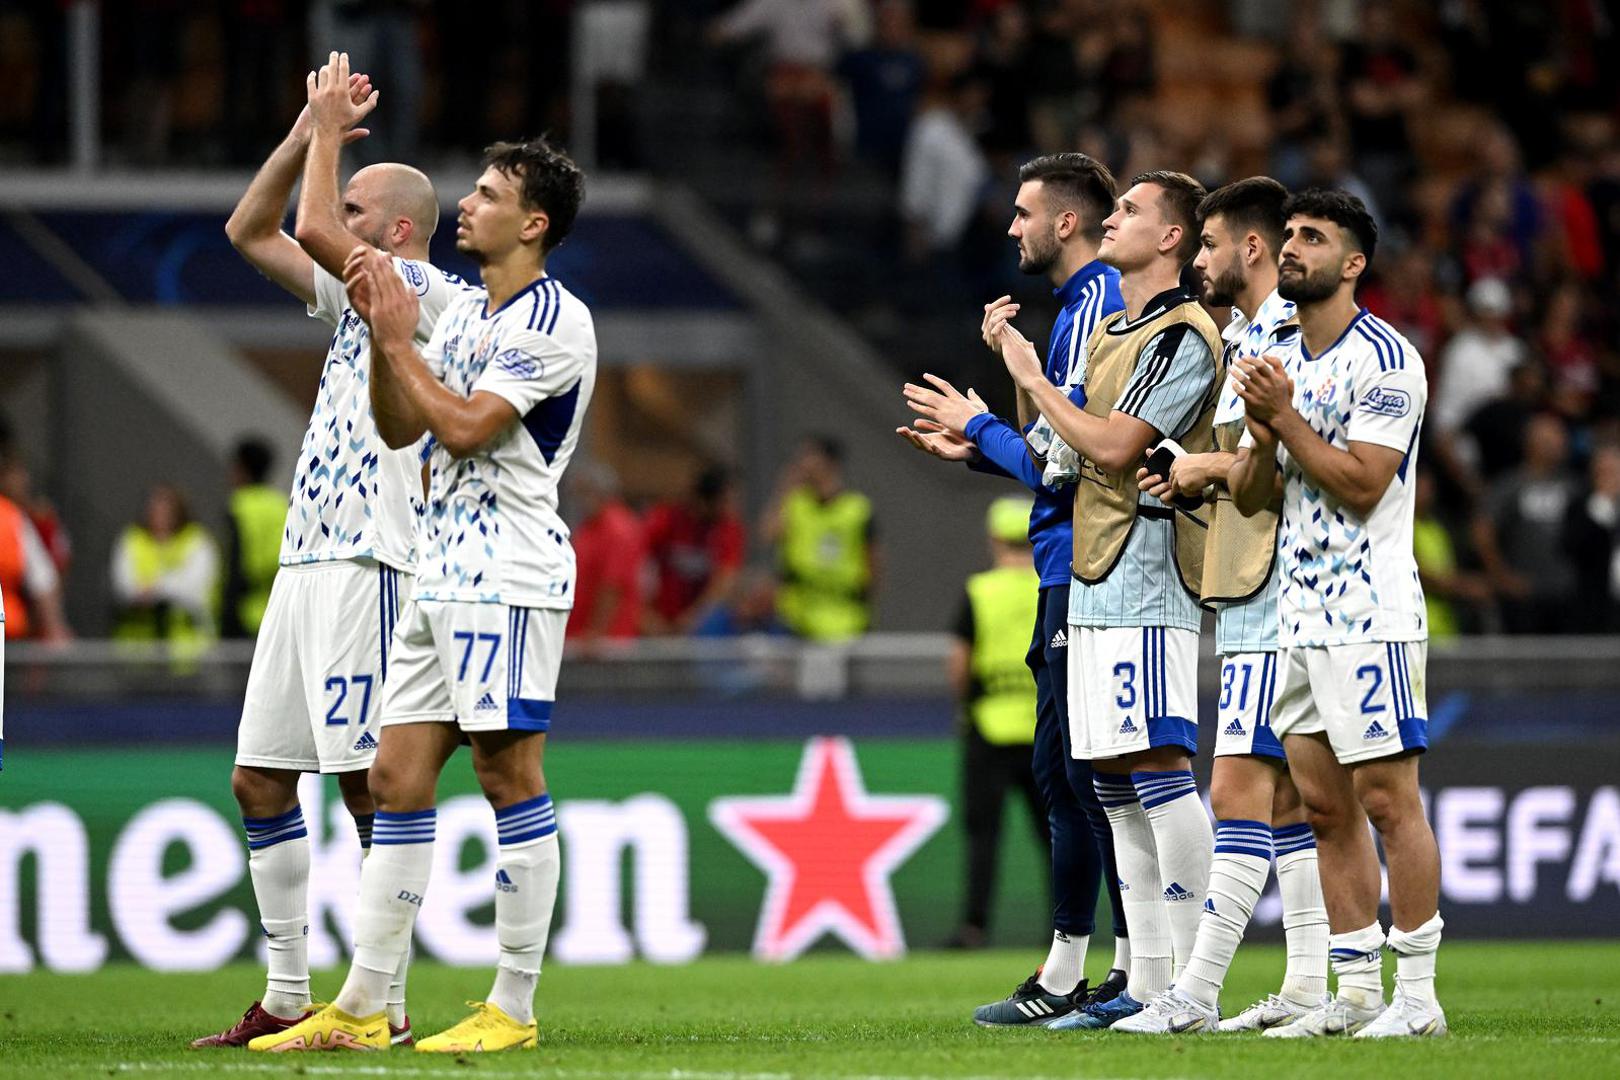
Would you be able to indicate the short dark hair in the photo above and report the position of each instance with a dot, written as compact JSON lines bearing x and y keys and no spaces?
{"x":1340,"y":207}
{"x":1179,"y":202}
{"x":548,"y":180}
{"x":827,"y":446}
{"x":254,"y":456}
{"x":1078,"y":182}
{"x":1255,"y":204}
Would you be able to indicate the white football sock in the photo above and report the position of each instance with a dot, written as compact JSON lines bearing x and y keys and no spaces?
{"x":1414,"y":959}
{"x":395,"y":1006}
{"x":1140,"y":891}
{"x":1305,"y":922}
{"x":393,"y":880}
{"x":1065,"y":962}
{"x":1237,"y":876}
{"x":1122,"y":954}
{"x":1185,"y":844}
{"x":525,"y":892}
{"x":1358,"y":961}
{"x":278,"y":864}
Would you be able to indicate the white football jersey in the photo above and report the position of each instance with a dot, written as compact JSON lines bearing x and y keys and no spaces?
{"x":492,"y":534}
{"x":1348,"y":578}
{"x":352,"y":497}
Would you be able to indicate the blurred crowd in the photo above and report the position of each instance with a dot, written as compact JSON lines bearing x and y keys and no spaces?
{"x":1484,"y":135}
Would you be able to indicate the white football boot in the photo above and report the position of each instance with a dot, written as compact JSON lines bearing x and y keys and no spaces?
{"x":1406,"y":1019}
{"x":1273,"y":1011}
{"x":1171,"y":1013}
{"x":1335,"y":1016}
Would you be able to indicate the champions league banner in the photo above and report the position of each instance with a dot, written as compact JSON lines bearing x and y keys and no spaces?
{"x":674,"y":849}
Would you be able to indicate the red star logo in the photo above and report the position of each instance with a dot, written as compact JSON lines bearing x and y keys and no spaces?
{"x":828,"y":849}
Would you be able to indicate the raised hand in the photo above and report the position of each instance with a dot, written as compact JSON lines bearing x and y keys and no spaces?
{"x":332,"y":102}
{"x":391,"y":310}
{"x":1264,"y":386}
{"x":944,"y":404}
{"x":932,"y":438}
{"x":996,"y":313}
{"x":359,"y":90}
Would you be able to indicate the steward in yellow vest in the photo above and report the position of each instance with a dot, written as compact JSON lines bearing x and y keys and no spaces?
{"x":990,"y":673}
{"x":166,"y":577}
{"x":826,"y":557}
{"x":258,"y":514}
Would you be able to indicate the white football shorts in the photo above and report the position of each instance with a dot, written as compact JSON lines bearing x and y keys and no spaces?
{"x":1366,"y":697}
{"x":1243,"y":710}
{"x":319,"y":666}
{"x":1132,"y":688}
{"x":483,"y":667}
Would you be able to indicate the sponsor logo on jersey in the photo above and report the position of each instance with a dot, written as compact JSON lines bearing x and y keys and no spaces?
{"x":518,"y":364}
{"x":1386,"y":402}
{"x":414,"y":277}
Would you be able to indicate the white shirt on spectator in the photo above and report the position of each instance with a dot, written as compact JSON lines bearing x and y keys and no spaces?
{"x":1474,"y":370}
{"x":942,"y":176}
{"x":809,"y":32}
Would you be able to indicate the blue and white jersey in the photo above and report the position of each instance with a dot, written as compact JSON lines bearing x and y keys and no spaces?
{"x":1249,"y":625}
{"x":1348,"y":578}
{"x":352,"y":497}
{"x":492,"y":534}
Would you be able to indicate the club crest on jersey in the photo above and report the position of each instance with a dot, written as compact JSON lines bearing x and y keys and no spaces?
{"x":518,"y":364}
{"x":414,"y":277}
{"x":1386,"y":402}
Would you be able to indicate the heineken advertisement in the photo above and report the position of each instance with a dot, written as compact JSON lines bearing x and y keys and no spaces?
{"x":673,"y":849}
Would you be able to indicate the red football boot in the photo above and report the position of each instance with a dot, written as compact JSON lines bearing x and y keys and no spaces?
{"x":401,"y":1036}
{"x":254,"y":1022}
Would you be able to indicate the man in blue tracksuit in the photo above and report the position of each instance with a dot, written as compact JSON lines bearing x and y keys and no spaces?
{"x":1062,"y":201}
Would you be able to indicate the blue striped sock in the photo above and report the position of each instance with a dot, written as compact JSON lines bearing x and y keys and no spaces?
{"x":362,"y":827}
{"x":414,"y":827}
{"x":1240,"y":837}
{"x":525,"y":821}
{"x":1292,"y":838}
{"x":270,"y":831}
{"x":1112,"y":790}
{"x":1158,"y":788}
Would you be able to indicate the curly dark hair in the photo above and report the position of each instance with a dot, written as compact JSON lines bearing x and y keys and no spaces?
{"x":1343,"y":209}
{"x":548,"y":180}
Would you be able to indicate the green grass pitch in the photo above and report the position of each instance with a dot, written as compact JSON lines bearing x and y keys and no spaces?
{"x":1516,"y":1010}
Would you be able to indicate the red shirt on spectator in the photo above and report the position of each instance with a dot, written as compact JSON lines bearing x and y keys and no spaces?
{"x":609,"y":547}
{"x":688,"y":550}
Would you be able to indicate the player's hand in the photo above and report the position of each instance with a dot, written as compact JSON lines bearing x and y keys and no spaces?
{"x":1190,"y":474}
{"x":331,"y":105}
{"x":944,"y":404}
{"x":932,"y":438}
{"x":359,"y":91}
{"x":995,"y":313}
{"x":391,"y":308}
{"x":1264,"y":386}
{"x":356,"y":283}
{"x":1154,"y":484}
{"x":1018,"y":353}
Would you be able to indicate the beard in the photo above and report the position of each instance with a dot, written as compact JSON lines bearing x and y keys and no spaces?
{"x":1038,"y":257}
{"x":1222,"y":289}
{"x":1302,"y":287}
{"x":466,"y":246}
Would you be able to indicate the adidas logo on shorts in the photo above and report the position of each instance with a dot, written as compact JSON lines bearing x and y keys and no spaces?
{"x":1235,"y":729}
{"x":366,"y":741}
{"x":486,"y":703}
{"x":1060,"y":640}
{"x":1375,"y":731}
{"x":1128,"y":728}
{"x":1176,"y":892}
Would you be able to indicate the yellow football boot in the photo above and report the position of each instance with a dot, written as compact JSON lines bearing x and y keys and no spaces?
{"x":488,"y":1028}
{"x":329,"y":1029}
